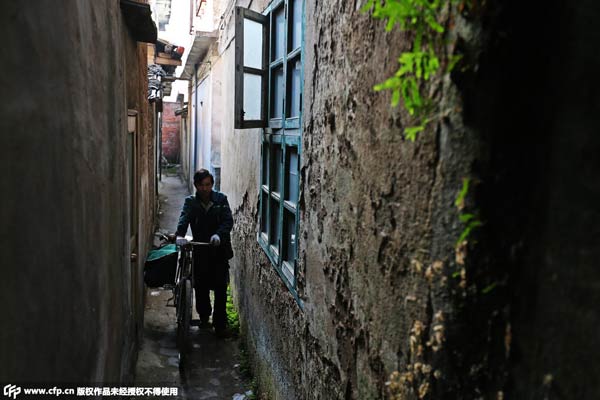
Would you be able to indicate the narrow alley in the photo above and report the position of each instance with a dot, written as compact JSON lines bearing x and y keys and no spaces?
{"x":212,"y":370}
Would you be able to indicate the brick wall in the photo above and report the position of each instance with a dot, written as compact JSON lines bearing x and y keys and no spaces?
{"x":170,"y":132}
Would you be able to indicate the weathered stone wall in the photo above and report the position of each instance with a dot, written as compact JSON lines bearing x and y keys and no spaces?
{"x":372,"y":203}
{"x":384,"y":287}
{"x":71,"y":311}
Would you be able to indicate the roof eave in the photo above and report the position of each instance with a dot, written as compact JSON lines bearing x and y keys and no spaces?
{"x":198,"y":52}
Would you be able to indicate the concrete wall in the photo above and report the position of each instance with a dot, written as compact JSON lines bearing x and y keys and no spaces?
{"x":73,"y":300}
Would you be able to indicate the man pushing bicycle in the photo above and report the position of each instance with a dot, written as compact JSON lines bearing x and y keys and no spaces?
{"x":209,"y":215}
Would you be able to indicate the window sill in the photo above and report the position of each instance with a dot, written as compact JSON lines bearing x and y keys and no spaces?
{"x":284,"y":273}
{"x":290,"y":206}
{"x":288,"y":272}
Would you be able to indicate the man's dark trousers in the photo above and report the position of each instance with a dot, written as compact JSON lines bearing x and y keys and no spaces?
{"x":203,"y":304}
{"x":211,"y":273}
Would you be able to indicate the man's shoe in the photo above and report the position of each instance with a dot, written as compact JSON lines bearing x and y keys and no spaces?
{"x":204,"y":325}
{"x":223,"y":333}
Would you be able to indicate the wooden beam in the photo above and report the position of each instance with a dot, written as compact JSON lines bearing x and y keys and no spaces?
{"x":167,"y":61}
{"x":150,"y":53}
{"x":138,"y":18}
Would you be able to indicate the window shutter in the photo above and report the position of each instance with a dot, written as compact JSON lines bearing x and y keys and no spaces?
{"x":251,"y":67}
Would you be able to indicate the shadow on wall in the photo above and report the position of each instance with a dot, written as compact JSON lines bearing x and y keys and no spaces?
{"x":533,"y":101}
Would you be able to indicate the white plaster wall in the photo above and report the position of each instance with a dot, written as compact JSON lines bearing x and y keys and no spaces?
{"x":204,"y":132}
{"x":192,"y":135}
{"x":240,"y":149}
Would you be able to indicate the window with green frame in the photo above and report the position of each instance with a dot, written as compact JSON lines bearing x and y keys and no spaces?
{"x":268,"y":88}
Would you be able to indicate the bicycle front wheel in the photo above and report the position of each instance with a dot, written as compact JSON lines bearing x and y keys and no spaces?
{"x":184,"y":318}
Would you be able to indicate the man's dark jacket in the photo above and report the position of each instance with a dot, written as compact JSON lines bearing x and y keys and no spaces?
{"x":205,"y":223}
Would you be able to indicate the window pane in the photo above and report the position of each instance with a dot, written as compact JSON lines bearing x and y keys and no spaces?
{"x":278,"y":34}
{"x":263,"y":212}
{"x":295,"y":24}
{"x":274,"y":223}
{"x":252,"y":96}
{"x":289,"y":236}
{"x":275,"y":171}
{"x":292,"y":172}
{"x":265,"y":165}
{"x":277,"y":92}
{"x":253,"y":36}
{"x":293,"y":94}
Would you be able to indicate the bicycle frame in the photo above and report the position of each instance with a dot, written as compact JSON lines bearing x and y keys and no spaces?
{"x":185,"y":268}
{"x":184,"y":284}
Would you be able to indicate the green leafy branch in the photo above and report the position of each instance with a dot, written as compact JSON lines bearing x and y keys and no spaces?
{"x":471,"y":223}
{"x":233,"y":320}
{"x":459,"y":202}
{"x":422,"y":62}
{"x":470,"y":220}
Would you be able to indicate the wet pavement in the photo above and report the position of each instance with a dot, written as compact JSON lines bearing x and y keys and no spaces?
{"x":212,"y":370}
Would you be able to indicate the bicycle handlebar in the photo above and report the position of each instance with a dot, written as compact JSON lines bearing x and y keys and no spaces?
{"x":170,"y":237}
{"x":200,"y":244}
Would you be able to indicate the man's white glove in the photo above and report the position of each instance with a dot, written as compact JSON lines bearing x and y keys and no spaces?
{"x":181,"y":241}
{"x":215,"y":240}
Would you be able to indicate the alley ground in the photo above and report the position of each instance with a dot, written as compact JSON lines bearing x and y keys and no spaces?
{"x":213,"y":368}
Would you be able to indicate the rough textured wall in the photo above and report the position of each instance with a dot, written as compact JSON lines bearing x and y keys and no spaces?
{"x":170,"y":132}
{"x":379,"y":224}
{"x":65,"y":252}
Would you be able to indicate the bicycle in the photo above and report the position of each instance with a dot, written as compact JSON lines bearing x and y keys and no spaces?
{"x":183,"y":297}
{"x":171,"y":267}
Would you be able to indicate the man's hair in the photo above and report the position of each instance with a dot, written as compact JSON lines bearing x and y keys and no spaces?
{"x":201,"y":174}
